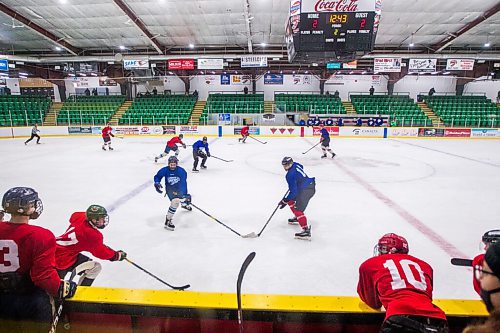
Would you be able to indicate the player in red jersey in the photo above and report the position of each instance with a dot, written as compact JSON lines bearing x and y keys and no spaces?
{"x":172,"y":145}
{"x":489,"y":237}
{"x":403,"y":285}
{"x":244,"y":133}
{"x":106,"y":136}
{"x":28,"y":278}
{"x":82,"y":235}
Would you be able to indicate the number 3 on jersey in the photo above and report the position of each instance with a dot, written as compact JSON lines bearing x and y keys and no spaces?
{"x":10,"y":254}
{"x":398,"y":281}
{"x":69,"y":238}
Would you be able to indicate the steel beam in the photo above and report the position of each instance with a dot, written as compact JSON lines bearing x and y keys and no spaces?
{"x":452,"y":36}
{"x":139,"y":24}
{"x":38,"y":29}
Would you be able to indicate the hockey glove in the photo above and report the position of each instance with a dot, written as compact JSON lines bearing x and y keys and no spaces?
{"x":187,"y":199}
{"x":67,"y":289}
{"x":119,"y":256}
{"x":208,"y":154}
{"x":283,"y":203}
{"x":159,"y":188}
{"x":184,"y":145}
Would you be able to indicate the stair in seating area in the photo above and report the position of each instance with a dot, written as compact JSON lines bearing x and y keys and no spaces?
{"x":349,"y":108}
{"x":436,"y":121}
{"x":51,"y":116}
{"x":268,"y":107}
{"x":197,"y":111}
{"x":119,"y":113}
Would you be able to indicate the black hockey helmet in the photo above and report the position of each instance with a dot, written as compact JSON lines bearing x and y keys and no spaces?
{"x":181,"y":136}
{"x":491,"y":236}
{"x":19,"y":201}
{"x":94,"y":213}
{"x":204,"y":139}
{"x":286,"y":160}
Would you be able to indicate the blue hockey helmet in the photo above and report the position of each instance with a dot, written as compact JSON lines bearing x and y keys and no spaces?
{"x":20,"y":200}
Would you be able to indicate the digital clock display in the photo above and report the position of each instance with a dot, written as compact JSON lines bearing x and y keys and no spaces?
{"x":331,"y":31}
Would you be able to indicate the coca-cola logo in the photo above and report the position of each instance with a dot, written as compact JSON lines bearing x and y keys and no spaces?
{"x":336,"y":6}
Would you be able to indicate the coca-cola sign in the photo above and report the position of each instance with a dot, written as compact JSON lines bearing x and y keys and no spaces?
{"x":310,"y":6}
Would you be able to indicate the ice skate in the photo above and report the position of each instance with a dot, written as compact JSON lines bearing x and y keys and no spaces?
{"x":186,"y":207}
{"x":156,"y":159}
{"x":323,"y":156}
{"x":111,"y":148}
{"x":333,"y":155}
{"x":305,"y":234}
{"x":203,"y":166}
{"x":103,"y":148}
{"x":195,"y":170}
{"x":169,"y":225}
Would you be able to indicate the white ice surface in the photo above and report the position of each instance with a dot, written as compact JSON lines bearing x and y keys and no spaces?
{"x":440,"y":194}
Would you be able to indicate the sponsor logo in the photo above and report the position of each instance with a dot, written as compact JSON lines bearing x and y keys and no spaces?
{"x":188,"y":129}
{"x":168,"y":129}
{"x":127,"y":130}
{"x":430,"y":132}
{"x":74,"y":130}
{"x":269,"y":117}
{"x":282,"y":130}
{"x":457,"y":132}
{"x":336,"y":6}
{"x":404,"y":132}
{"x":484,"y":133}
{"x":86,"y":130}
{"x":145,"y":130}
{"x":332,"y":130}
{"x":365,"y":131}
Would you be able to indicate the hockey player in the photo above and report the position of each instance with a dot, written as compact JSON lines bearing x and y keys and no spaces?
{"x":172,"y":145}
{"x":28,"y":278}
{"x":83,"y":236}
{"x":198,"y":147}
{"x":175,"y":187}
{"x":106,"y":136}
{"x":300,"y":190}
{"x":34,"y":134}
{"x":325,"y":142}
{"x":403,"y":285}
{"x":489,"y":237}
{"x":244,"y":133}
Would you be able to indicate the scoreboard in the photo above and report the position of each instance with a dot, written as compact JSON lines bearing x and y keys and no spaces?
{"x":326,"y":35}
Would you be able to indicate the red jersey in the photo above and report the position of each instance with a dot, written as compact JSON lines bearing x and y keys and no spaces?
{"x":80,"y":236}
{"x":171,"y":143}
{"x":477,"y":261}
{"x":28,"y":249}
{"x":399,"y":282}
{"x":106,"y":132}
{"x":244,"y":130}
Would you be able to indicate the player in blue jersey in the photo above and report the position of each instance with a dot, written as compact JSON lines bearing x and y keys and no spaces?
{"x":198,"y":152}
{"x":325,"y":143}
{"x":300,"y":190}
{"x":175,"y":188}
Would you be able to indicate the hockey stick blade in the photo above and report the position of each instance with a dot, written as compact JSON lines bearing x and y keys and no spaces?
{"x":243,"y":269}
{"x":461,"y":262}
{"x":250,"y":235}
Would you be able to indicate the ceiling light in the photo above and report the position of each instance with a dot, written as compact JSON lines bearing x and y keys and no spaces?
{"x":263,"y":44}
{"x":58,"y":48}
{"x":307,"y":72}
{"x":411,"y":44}
{"x":201,"y":73}
{"x":62,"y":1}
{"x":122,"y":47}
{"x":487,"y":44}
{"x":191,"y":46}
{"x":22,"y":73}
{"x":446,"y":73}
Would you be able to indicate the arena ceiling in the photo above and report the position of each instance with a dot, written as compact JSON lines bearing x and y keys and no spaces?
{"x":170,"y":27}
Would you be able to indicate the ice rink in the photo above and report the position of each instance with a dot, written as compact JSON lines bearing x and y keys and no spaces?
{"x":442,"y":195}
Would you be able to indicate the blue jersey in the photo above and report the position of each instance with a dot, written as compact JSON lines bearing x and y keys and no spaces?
{"x":199,"y":144}
{"x":175,"y":180}
{"x":297,"y":180}
{"x":325,"y":134}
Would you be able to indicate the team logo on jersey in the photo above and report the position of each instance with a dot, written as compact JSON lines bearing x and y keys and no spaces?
{"x":172,"y":180}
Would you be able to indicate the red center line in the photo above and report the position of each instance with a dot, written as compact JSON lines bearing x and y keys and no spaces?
{"x":447,"y":247}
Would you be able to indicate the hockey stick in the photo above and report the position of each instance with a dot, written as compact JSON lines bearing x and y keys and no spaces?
{"x":311,"y":148}
{"x":257,"y":140}
{"x":243,"y":269}
{"x":157,"y":278}
{"x":461,"y":262}
{"x":270,"y":217}
{"x":250,"y":235}
{"x":221,"y":159}
{"x":60,"y":308}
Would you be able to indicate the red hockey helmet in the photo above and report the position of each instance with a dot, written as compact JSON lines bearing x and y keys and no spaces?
{"x":392,"y":243}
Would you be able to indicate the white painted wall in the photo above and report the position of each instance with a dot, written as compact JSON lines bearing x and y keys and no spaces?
{"x":416,"y":84}
{"x":353,"y":84}
{"x":211,"y":83}
{"x":174,"y":84}
{"x":490,"y":87}
{"x":290,"y":83}
{"x":13,"y":85}
{"x":87,"y":82}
